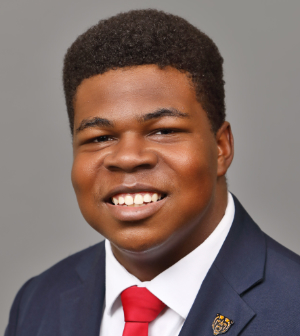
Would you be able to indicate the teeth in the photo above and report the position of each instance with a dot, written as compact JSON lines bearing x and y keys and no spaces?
{"x":154,"y":198}
{"x":138,"y":199}
{"x":115,"y":201}
{"x":147,"y":198}
{"x":135,"y":199}
{"x":128,"y":200}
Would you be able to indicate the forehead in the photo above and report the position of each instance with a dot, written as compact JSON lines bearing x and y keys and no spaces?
{"x":134,"y":88}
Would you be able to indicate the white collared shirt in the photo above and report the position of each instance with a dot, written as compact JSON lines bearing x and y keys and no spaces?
{"x":177,"y":286}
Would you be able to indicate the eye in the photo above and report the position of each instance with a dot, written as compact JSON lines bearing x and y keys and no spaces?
{"x":165,"y":131}
{"x":102,"y":138}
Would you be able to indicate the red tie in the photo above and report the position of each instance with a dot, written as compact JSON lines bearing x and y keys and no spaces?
{"x":140,"y":307}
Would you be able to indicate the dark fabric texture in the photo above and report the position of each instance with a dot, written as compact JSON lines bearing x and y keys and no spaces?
{"x":254,"y":281}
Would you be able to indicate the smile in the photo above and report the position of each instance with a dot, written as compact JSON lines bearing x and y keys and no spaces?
{"x":136,"y":199}
{"x":135,"y":206}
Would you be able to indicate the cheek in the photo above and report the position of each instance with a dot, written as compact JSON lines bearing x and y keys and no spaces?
{"x":197,"y":187}
{"x":84,"y":174}
{"x":84,"y":179}
{"x":193,"y":165}
{"x":195,"y":171}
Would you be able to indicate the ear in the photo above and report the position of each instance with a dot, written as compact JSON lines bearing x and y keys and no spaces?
{"x":225,"y":145}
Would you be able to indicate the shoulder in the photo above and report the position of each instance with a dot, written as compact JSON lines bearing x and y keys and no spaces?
{"x":65,"y":271}
{"x":255,"y":245}
{"x":44,"y":290}
{"x":280,"y":251}
{"x":276,"y":298}
{"x":282,"y":265}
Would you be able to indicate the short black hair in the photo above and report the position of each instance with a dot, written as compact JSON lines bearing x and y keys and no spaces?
{"x":148,"y":36}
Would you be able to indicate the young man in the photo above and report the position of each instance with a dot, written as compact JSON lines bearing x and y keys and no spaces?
{"x":145,"y":97}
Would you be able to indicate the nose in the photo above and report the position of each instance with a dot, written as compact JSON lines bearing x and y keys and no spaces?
{"x":130,"y":154}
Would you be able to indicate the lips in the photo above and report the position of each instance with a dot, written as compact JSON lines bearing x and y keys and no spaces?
{"x":135,"y":202}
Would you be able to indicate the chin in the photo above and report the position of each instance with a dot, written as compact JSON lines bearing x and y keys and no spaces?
{"x":139,"y":247}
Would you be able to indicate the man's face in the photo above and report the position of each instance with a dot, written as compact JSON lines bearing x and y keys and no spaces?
{"x":141,"y":132}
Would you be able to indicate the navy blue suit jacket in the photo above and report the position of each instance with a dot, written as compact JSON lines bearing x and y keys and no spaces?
{"x":254,"y":281}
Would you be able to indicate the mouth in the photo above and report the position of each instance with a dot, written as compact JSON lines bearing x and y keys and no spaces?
{"x":134,"y":204}
{"x":137,"y":199}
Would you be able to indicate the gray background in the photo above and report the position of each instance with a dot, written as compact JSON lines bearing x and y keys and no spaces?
{"x":40,"y":220}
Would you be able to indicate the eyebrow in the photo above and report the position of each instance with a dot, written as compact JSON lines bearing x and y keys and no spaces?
{"x":159,"y":113}
{"x":94,"y":122}
{"x":163,"y":112}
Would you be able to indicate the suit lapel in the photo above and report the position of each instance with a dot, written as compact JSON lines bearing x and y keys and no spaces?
{"x":216,"y":296}
{"x":238,"y":267}
{"x":81,"y":307}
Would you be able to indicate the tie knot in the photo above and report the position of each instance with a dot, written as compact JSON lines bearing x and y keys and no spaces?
{"x":140,"y":305}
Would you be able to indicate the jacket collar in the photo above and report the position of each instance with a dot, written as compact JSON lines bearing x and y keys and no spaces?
{"x":238,"y":267}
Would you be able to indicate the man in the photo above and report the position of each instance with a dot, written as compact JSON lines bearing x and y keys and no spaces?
{"x":145,"y":98}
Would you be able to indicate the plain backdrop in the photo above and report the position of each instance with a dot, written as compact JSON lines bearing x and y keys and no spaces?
{"x":40,"y":219}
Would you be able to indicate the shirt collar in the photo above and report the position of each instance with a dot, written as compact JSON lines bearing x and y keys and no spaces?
{"x":178,"y":285}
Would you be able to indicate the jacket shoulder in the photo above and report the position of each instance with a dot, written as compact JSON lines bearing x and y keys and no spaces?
{"x":282,"y":268}
{"x":45,"y":288}
{"x":276,"y":297}
{"x":65,"y":270}
{"x":281,"y":251}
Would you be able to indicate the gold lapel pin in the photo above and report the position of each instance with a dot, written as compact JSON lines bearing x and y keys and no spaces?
{"x":221,"y":324}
